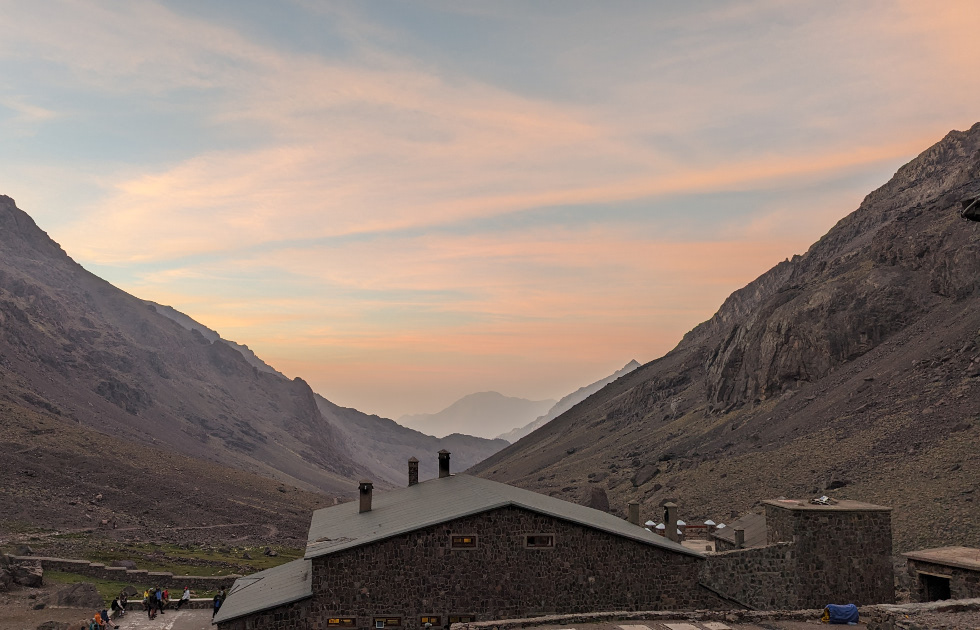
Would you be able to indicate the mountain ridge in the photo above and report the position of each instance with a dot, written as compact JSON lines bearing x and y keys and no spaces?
{"x":73,"y":345}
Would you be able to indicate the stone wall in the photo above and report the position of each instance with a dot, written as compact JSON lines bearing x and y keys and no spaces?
{"x":288,"y":617}
{"x":418,"y":573}
{"x":760,"y":577}
{"x":841,"y":556}
{"x":963,"y":583}
{"x":130,"y":576}
{"x":951,"y":614}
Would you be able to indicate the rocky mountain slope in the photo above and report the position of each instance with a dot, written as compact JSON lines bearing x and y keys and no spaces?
{"x":380,"y":445}
{"x":74,"y":347}
{"x":566,"y":403}
{"x":482,"y":414}
{"x":59,"y":476}
{"x":853,"y":370}
{"x":92,"y":360}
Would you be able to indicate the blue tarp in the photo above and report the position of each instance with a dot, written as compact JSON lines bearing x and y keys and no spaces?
{"x":842,"y":613}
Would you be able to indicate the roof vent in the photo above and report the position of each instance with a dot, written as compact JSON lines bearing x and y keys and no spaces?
{"x":367,"y":490}
{"x":413,"y":471}
{"x":443,"y":463}
{"x":633,"y":512}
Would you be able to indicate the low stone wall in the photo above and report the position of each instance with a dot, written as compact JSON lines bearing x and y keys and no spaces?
{"x":196,"y":603}
{"x":730,"y":616}
{"x":877,"y":617}
{"x":130,"y":576}
{"x":759,"y":577}
{"x":922,"y":615}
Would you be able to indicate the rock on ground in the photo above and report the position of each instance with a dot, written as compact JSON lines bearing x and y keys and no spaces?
{"x":28,"y":573}
{"x":80,"y":595}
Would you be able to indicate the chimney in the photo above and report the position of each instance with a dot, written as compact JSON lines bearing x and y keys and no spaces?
{"x":413,"y":471}
{"x":739,"y":538}
{"x":670,"y":521}
{"x":633,"y":507}
{"x":367,"y":489}
{"x":443,"y":463}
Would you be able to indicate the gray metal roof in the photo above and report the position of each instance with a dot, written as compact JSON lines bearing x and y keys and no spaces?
{"x":756,"y":533}
{"x":273,"y":587}
{"x":443,"y":499}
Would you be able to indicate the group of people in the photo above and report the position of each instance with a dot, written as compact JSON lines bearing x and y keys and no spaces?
{"x":100,"y":621}
{"x":156,"y":599}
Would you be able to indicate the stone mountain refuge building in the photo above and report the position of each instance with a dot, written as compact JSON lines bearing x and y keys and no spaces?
{"x":461,"y":548}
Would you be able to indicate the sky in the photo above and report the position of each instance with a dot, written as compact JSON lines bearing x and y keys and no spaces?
{"x":407,"y":202}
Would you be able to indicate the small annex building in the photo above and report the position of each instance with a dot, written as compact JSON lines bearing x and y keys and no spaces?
{"x":460,"y":548}
{"x":944,"y":573}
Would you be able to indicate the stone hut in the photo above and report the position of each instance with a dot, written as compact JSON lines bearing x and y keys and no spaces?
{"x":944,"y":573}
{"x":460,"y":548}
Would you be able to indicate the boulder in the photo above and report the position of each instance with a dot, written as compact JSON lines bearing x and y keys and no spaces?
{"x":5,"y":579}
{"x":54,"y":625}
{"x":644,"y":474}
{"x":598,"y":500}
{"x":24,"y":550}
{"x":28,"y":573}
{"x":129,"y":591}
{"x":80,"y":595}
{"x":126,"y":564}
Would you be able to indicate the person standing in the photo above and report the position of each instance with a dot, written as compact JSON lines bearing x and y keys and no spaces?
{"x":216,"y":603}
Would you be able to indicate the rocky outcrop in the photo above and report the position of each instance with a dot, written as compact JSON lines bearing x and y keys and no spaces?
{"x":854,"y":288}
{"x":27,"y":573}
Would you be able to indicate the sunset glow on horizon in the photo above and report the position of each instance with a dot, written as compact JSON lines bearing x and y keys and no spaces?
{"x":407,"y":202}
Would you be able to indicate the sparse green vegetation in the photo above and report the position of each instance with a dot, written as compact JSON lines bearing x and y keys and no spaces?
{"x":108,"y":589}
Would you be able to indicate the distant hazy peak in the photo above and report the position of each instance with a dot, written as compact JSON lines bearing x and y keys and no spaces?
{"x":567,"y":403}
{"x":481,"y":414}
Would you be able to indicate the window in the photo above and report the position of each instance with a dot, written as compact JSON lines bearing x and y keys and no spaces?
{"x":540,"y":541}
{"x":462,"y":618}
{"x":341,"y":622}
{"x":433,"y":619}
{"x":462,"y":542}
{"x":387,"y":622}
